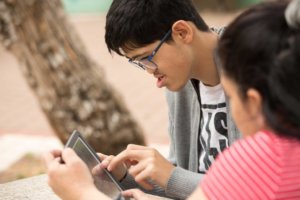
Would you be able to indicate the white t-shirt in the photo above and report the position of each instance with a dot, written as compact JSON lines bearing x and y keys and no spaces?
{"x":213,"y":137}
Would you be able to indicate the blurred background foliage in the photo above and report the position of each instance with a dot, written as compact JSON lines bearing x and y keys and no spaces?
{"x":224,"y":5}
{"x":86,"y":6}
{"x":96,"y":6}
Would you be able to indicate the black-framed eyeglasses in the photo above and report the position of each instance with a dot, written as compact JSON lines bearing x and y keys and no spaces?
{"x":146,"y":62}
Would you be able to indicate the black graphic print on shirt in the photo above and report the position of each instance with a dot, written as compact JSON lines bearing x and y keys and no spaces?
{"x":213,"y":137}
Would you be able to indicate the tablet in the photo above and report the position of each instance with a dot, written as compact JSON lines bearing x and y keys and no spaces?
{"x":105,"y":182}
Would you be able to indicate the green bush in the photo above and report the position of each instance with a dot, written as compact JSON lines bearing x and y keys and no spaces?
{"x":86,"y":6}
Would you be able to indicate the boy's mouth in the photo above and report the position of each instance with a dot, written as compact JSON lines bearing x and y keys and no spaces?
{"x":160,"y":81}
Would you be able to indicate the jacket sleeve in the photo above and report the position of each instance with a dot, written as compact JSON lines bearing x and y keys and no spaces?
{"x":182,"y":183}
{"x":129,"y":183}
{"x":172,"y":150}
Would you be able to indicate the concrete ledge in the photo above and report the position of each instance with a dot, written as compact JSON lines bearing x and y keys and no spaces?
{"x":34,"y":188}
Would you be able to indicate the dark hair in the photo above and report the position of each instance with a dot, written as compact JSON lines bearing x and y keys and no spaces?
{"x":259,"y":50}
{"x":137,"y":23}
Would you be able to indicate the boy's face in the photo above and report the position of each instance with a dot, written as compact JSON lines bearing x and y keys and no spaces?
{"x":172,"y":61}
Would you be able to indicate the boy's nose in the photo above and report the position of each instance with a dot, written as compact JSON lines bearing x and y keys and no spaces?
{"x":150,"y":70}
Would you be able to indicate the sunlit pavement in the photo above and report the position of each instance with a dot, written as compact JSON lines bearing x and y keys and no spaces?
{"x":23,"y":126}
{"x":16,"y":145}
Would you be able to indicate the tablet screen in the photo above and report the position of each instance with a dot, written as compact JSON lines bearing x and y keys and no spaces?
{"x":103,"y":181}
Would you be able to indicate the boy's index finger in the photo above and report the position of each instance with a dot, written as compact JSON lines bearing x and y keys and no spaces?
{"x":136,"y":147}
{"x":126,"y":155}
{"x":134,"y":193}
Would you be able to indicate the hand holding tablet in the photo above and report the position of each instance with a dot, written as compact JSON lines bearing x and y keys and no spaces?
{"x":104,"y":181}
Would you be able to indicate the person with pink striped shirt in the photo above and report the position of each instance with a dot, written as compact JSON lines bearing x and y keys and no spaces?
{"x":260,"y":56}
{"x":259,"y":60}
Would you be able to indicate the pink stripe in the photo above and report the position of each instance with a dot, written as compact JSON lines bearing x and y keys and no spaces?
{"x":222,"y":175}
{"x":222,"y":192}
{"x":209,"y":188}
{"x":261,"y":157}
{"x":218,"y":175}
{"x":246,"y":174}
{"x":261,"y":167}
{"x":264,"y":172}
{"x":239,"y":172}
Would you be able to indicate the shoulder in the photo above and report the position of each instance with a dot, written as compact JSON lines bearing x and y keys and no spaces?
{"x":246,"y":167}
{"x":250,"y":150}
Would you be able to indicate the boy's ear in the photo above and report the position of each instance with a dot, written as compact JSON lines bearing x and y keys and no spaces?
{"x":182,"y":30}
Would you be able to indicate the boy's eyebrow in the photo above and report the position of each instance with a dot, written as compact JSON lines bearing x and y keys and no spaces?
{"x":133,"y":58}
{"x":137,"y":56}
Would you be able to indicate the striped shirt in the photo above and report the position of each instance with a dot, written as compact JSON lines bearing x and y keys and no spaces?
{"x":263,"y":166}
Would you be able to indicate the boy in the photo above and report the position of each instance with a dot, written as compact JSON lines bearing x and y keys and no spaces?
{"x":171,"y":41}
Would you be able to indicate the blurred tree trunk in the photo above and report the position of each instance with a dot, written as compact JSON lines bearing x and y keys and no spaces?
{"x":71,"y":88}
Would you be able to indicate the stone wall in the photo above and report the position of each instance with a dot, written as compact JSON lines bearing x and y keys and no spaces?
{"x":34,"y":188}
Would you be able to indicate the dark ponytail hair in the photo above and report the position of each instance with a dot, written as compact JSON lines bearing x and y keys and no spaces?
{"x":261,"y":50}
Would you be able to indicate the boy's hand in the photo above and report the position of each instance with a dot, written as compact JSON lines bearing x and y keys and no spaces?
{"x":119,"y":172}
{"x":71,"y":179}
{"x":146,"y":165}
{"x":138,"y":195}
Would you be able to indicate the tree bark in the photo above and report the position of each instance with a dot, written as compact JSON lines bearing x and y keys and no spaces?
{"x":70,"y":87}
